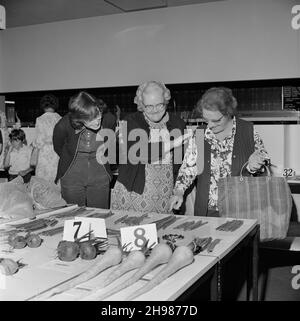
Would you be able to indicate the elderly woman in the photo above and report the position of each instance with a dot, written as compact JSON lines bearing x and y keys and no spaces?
{"x":229,"y":142}
{"x":76,"y":139}
{"x":146,"y":185}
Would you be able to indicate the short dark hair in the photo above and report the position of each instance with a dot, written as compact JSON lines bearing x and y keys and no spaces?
{"x":49,"y":101}
{"x":17,"y":134}
{"x":218,"y":98}
{"x":101,"y":105}
{"x":84,"y":107}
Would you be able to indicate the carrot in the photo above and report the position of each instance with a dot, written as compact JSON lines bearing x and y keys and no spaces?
{"x":181,"y":257}
{"x":110,"y":258}
{"x":134,"y":260}
{"x":160,"y":254}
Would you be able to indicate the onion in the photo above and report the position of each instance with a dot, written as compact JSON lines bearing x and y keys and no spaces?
{"x":67,"y":251}
{"x":33,"y":240}
{"x":8,"y":266}
{"x":87,"y":250}
{"x":17,"y":241}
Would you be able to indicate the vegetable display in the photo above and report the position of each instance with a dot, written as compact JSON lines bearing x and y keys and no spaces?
{"x":134,"y":260}
{"x":33,"y":240}
{"x":110,"y":258}
{"x":181,"y":257}
{"x":160,"y":254}
{"x":19,"y":242}
{"x":125,"y":268}
{"x":67,"y":251}
{"x":230,"y":226}
{"x":87,"y":251}
{"x":9,"y":266}
{"x":16,"y":241}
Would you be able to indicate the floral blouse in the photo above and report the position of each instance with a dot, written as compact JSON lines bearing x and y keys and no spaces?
{"x":221,"y":157}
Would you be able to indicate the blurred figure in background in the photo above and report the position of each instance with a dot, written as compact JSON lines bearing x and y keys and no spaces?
{"x":44,"y":157}
{"x":4,"y":139}
{"x":17,"y":159}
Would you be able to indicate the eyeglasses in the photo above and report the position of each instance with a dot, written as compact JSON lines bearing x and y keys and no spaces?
{"x":152,"y":107}
{"x":214,"y":121}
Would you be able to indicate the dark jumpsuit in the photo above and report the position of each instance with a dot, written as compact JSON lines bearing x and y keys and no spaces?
{"x":86,"y":182}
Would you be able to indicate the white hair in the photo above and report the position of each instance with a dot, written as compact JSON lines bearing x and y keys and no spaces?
{"x":138,"y":99}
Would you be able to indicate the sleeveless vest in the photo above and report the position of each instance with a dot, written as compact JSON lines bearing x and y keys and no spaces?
{"x":243,"y":147}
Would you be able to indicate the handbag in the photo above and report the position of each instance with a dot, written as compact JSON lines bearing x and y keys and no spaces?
{"x":265,"y":198}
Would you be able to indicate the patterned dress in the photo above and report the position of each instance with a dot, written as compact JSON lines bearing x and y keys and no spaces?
{"x":221,"y":157}
{"x":47,"y":159}
{"x":158,"y":183}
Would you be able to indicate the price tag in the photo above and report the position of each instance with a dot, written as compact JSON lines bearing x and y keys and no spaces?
{"x":74,"y":229}
{"x":135,"y":237}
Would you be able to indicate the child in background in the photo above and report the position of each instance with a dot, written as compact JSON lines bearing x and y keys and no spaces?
{"x":18,"y":156}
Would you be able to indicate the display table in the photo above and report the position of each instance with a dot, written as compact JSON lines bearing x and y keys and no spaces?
{"x":43,"y":270}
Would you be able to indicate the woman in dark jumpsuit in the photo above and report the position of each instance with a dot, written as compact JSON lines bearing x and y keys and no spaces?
{"x":76,"y":139}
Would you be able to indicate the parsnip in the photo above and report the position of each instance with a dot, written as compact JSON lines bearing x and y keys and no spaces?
{"x":110,"y":258}
{"x":134,"y":260}
{"x":181,"y":257}
{"x":160,"y":254}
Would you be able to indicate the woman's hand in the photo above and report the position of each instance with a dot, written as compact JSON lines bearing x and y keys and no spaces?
{"x":256,"y":161}
{"x":176,"y":201}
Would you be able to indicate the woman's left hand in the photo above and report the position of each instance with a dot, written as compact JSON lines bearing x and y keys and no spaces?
{"x":256,"y":161}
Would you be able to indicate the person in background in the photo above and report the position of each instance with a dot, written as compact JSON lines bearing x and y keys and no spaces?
{"x":44,"y":157}
{"x":146,"y":186}
{"x":229,"y":142}
{"x":76,"y":139}
{"x":118,"y":113}
{"x":17,"y":159}
{"x":1,"y":142}
{"x":3,"y":138}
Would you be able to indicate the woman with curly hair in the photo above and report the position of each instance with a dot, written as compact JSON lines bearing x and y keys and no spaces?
{"x":229,"y":142}
{"x":145,"y":184}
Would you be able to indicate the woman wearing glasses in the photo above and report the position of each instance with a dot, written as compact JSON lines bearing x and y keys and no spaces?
{"x":146,"y":180}
{"x":76,"y":139}
{"x":229,"y":142}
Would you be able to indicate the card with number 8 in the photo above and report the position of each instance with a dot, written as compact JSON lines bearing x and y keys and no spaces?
{"x":136,"y":237}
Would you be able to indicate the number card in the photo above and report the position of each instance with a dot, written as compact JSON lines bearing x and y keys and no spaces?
{"x":288,"y":172}
{"x":74,"y":229}
{"x":135,"y":237}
